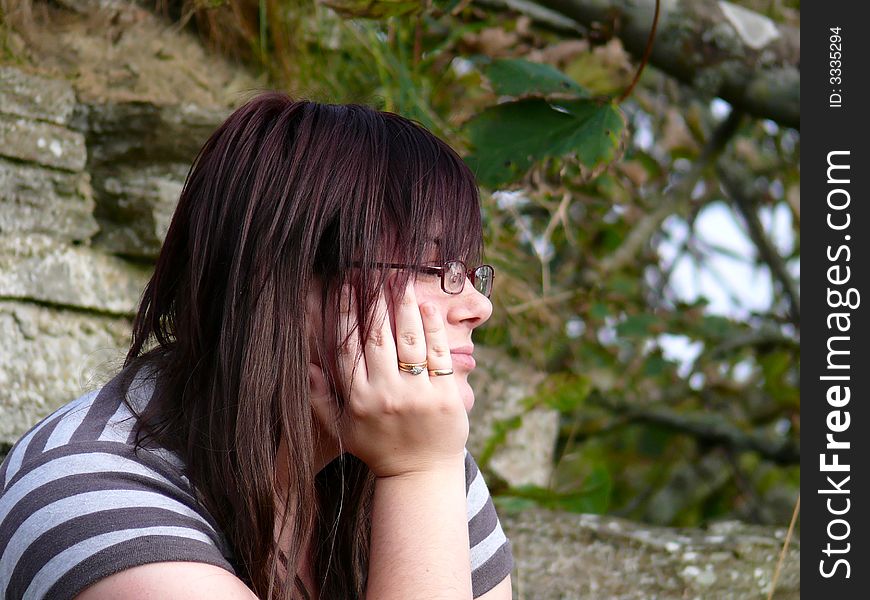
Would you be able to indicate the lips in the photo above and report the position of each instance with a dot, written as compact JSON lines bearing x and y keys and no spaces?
{"x":462,"y":357}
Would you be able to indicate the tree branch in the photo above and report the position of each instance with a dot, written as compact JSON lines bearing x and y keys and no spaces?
{"x":719,"y":48}
{"x":736,"y":182}
{"x":714,"y":429}
{"x":681,"y":190}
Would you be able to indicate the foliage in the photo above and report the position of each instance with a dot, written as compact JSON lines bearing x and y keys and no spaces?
{"x":678,"y":405}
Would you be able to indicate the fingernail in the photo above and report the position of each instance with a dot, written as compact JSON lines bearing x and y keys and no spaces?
{"x":428,"y":310}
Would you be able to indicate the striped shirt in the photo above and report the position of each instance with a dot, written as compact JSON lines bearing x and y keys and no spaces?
{"x":78,"y":503}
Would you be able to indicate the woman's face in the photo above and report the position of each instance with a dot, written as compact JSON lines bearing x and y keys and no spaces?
{"x":461,"y":313}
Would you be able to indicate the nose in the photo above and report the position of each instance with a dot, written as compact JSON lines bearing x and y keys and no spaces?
{"x":469,"y":308}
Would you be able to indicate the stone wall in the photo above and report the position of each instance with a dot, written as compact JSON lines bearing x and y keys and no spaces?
{"x":100,"y":119}
{"x":63,"y":303}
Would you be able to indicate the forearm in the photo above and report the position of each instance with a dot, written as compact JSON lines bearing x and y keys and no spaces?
{"x":419,"y":540}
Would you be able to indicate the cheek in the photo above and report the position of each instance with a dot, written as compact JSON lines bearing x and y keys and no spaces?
{"x":428,"y":291}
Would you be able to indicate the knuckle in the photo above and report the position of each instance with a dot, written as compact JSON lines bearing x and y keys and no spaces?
{"x":358,"y":409}
{"x":390,"y":407}
{"x":445,"y":406}
{"x":407,"y":300}
{"x":439,"y":350}
{"x":377,"y":339}
{"x":409,"y":338}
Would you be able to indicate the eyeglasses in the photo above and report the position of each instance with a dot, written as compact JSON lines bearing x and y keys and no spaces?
{"x":453,"y":275}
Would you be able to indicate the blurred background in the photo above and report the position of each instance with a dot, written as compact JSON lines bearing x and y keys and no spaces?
{"x":637,"y":410}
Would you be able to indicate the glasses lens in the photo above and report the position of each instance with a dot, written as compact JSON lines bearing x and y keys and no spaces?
{"x":454,"y":277}
{"x":483,"y":276}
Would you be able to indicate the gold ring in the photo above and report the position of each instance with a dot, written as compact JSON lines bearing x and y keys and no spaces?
{"x":413,"y":368}
{"x":440,"y":372}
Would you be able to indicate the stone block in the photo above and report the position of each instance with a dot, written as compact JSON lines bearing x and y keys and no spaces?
{"x":135,"y":206}
{"x":51,"y":356}
{"x":38,"y":267}
{"x":35,"y":199}
{"x":500,"y":384}
{"x":35,"y":97}
{"x":139,"y":132}
{"x":42,"y":143}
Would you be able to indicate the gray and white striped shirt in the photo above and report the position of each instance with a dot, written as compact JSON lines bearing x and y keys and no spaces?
{"x":79,"y":503}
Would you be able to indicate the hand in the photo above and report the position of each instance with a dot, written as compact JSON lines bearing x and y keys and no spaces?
{"x":396,"y":422}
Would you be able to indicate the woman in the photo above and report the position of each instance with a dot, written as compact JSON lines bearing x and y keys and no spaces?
{"x":291,"y":417}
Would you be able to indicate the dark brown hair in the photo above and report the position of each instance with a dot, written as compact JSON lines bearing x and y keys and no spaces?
{"x":283,"y":192}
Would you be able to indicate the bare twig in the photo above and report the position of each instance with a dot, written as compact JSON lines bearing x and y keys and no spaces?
{"x":650,"y":223}
{"x":734,"y":180}
{"x":645,"y":59}
{"x":794,"y":514}
{"x":755,"y":338}
{"x":541,"y":301}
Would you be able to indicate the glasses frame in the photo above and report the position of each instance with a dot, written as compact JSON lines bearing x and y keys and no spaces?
{"x":440,"y":270}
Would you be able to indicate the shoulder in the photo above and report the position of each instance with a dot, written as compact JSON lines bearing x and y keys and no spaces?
{"x":491,"y":555}
{"x":78,"y":502}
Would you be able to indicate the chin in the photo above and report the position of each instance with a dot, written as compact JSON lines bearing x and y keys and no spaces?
{"x":467,"y":395}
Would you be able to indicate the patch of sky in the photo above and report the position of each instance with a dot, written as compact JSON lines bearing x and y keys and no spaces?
{"x":696,"y":381}
{"x":776,"y":190}
{"x":543,"y":248}
{"x":643,"y":132}
{"x":728,"y":277}
{"x":461,"y":66}
{"x":613,"y":213}
{"x":607,"y":333}
{"x":789,"y":140}
{"x":743,"y":370}
{"x":777,"y":222}
{"x":770,"y":127}
{"x":506,"y":199}
{"x":680,"y":349}
{"x":575,"y":327}
{"x":720,"y":109}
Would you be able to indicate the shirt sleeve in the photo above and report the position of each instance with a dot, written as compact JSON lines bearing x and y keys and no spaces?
{"x":79,"y":513}
{"x":491,"y":557}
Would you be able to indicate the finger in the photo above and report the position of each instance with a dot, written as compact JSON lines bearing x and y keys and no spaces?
{"x":380,"y":348}
{"x":348,"y":350}
{"x":410,"y":336}
{"x":437,"y":344}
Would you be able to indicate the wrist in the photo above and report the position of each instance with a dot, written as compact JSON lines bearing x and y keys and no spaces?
{"x":433,"y":467}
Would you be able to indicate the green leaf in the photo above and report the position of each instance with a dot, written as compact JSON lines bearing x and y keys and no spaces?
{"x":374,"y":9}
{"x":500,"y":430}
{"x":512,"y":506}
{"x":508,"y":138}
{"x":637,"y":325}
{"x":655,"y":365}
{"x":517,"y":77}
{"x":599,"y":310}
{"x":592,"y":497}
{"x":716,"y":327}
{"x":564,"y":392}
